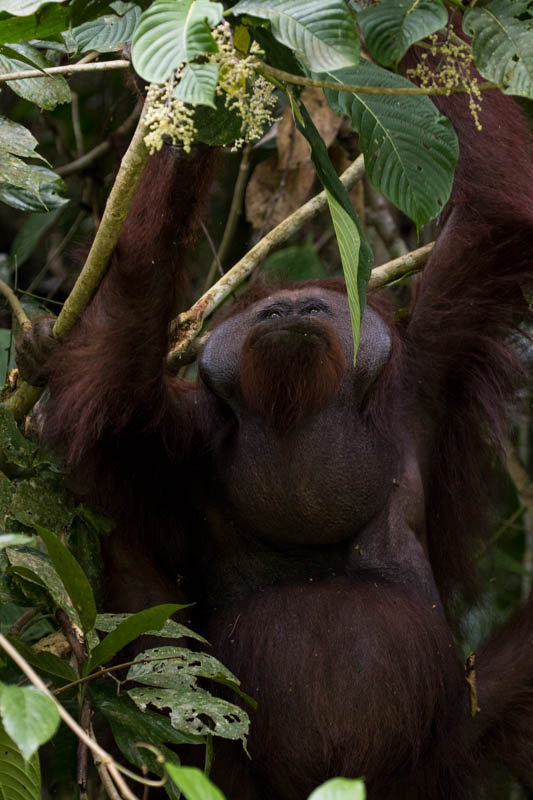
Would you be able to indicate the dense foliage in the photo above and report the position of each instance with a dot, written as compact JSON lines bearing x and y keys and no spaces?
{"x":221,"y":74}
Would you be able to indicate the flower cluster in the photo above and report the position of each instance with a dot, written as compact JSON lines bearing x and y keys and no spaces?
{"x":167,"y":117}
{"x":250,"y":95}
{"x":454,"y":70}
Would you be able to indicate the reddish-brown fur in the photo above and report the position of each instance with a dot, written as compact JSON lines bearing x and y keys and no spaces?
{"x":354,"y":669}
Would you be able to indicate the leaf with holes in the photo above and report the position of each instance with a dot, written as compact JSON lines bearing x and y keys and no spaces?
{"x":502,"y":44}
{"x":391,"y":27}
{"x":171,"y":33}
{"x":410,"y":149}
{"x":195,"y":712}
{"x":321,"y":32}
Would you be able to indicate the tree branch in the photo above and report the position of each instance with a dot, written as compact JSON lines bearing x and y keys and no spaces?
{"x":66,"y":69}
{"x":399,"y":267}
{"x":188,"y":324}
{"x":354,"y":88}
{"x":116,"y":209}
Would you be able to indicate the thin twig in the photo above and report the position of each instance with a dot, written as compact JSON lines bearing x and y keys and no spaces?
{"x":211,"y":246}
{"x":23,"y":620}
{"x":65,"y":241}
{"x":233,"y":216}
{"x":66,"y":69}
{"x":16,"y":308}
{"x":298,"y":80}
{"x":190,"y":322}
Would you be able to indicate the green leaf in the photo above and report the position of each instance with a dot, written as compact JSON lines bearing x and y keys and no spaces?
{"x":35,"y":567}
{"x":194,"y":784}
{"x":170,"y":630}
{"x":51,"y":195}
{"x":173,"y":32}
{"x":48,"y":22}
{"x":321,"y":32}
{"x":132,"y":627}
{"x":42,"y":500}
{"x":108,"y":33}
{"x":20,"y":779}
{"x":73,"y":577}
{"x":410,"y":149}
{"x":13,"y":540}
{"x":502,"y":44}
{"x":22,"y":8}
{"x":356,"y":255}
{"x":391,"y":27}
{"x":195,"y":711}
{"x":16,"y":139}
{"x":217,"y":126}
{"x":46,"y":92}
{"x":46,"y":664}
{"x":300,"y":263}
{"x":16,"y":449}
{"x":179,"y":668}
{"x":29,"y":717}
{"x":340,"y":789}
{"x":17,"y":173}
{"x":197,"y":85}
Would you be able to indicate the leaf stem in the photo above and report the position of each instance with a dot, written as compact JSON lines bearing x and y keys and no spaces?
{"x":354,"y":88}
{"x":16,"y":308}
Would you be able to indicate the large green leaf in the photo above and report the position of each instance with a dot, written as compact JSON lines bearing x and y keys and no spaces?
{"x":73,"y":577}
{"x":392,"y":26}
{"x":107,"y":33}
{"x":46,"y":92}
{"x":44,"y":24}
{"x":502,"y":44}
{"x":340,"y":789}
{"x":29,"y":716}
{"x":170,"y":630}
{"x":19,"y":779}
{"x":410,"y":149}
{"x":193,"y":783}
{"x":321,"y":32}
{"x":173,"y":32}
{"x":356,"y":255}
{"x":36,"y":568}
{"x":197,"y":85}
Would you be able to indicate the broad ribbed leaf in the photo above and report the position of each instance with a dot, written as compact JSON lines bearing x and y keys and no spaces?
{"x":51,"y":195}
{"x":502,"y":44}
{"x":107,"y":33}
{"x":16,"y":139}
{"x":197,"y":85}
{"x":19,"y":779}
{"x":46,"y":92}
{"x":391,"y":27}
{"x":321,"y":32}
{"x":173,"y":32}
{"x":29,"y":716}
{"x":410,"y":149}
